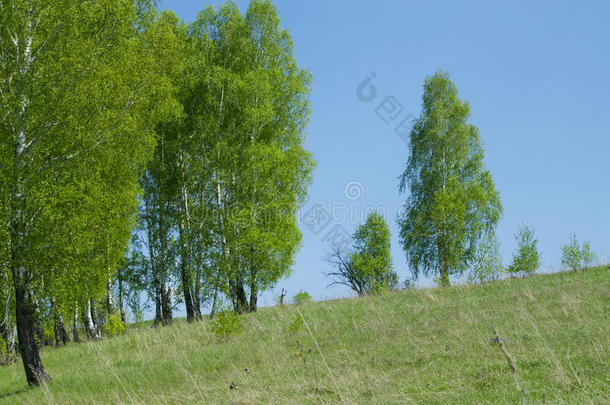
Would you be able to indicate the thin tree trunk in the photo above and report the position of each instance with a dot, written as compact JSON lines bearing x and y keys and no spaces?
{"x":444,"y":276}
{"x":7,"y":333}
{"x":95,"y":319}
{"x":109,"y":300}
{"x":214,"y":302}
{"x":75,"y":336}
{"x":253,"y":290}
{"x":61,"y":336}
{"x":121,"y":297}
{"x":166,"y":304}
{"x":225,"y":248}
{"x":240,"y":301}
{"x":253,"y":298}
{"x":90,"y":324}
{"x":197,"y":297}
{"x":38,"y":325}
{"x":158,"y":305}
{"x":6,"y":327}
{"x":185,"y":275}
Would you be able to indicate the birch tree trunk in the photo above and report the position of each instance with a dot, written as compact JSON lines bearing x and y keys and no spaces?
{"x":121,"y":297}
{"x":61,"y":336}
{"x":6,"y":327}
{"x":24,"y":295}
{"x":90,"y":319}
{"x":75,"y":336}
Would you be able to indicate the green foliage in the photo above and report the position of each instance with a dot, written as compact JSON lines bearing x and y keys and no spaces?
{"x":487,"y":264}
{"x":371,"y":258}
{"x":588,"y":256}
{"x":452,"y":197}
{"x":526,"y":258}
{"x":295,"y":325}
{"x":302,"y":297}
{"x":226,"y":324}
{"x":367,"y":269}
{"x":571,"y":254}
{"x":230,"y":168}
{"x":576,"y":257}
{"x":114,"y":326}
{"x":79,"y":97}
{"x":48,"y":333}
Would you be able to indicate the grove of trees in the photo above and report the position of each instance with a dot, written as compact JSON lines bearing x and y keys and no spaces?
{"x":139,"y":153}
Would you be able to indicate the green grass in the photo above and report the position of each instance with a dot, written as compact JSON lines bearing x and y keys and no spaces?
{"x":423,"y":346}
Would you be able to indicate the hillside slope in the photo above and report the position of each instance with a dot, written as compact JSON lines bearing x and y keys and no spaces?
{"x":423,"y":346}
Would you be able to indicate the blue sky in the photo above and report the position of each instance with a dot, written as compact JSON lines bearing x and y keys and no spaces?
{"x":536,"y":77}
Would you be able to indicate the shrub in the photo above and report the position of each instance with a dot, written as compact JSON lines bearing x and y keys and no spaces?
{"x":588,"y":256}
{"x":295,"y":324}
{"x":574,"y":257}
{"x":526,"y":258}
{"x":302,"y":297}
{"x":571,"y":254}
{"x":487,"y":265}
{"x":114,"y":325}
{"x":226,"y":324}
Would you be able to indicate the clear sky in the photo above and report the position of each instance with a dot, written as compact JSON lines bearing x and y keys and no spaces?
{"x":536,"y":75}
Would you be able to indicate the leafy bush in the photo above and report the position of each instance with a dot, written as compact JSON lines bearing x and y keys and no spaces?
{"x":114,"y":325}
{"x":48,"y":333}
{"x":226,"y":324}
{"x":571,"y":254}
{"x":295,"y":324}
{"x":302,"y":297}
{"x":526,"y":258}
{"x":588,"y":256}
{"x":487,"y":265}
{"x":575,"y":257}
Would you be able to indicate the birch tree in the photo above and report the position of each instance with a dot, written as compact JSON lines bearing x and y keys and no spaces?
{"x":453,"y":200}
{"x":77,"y":98}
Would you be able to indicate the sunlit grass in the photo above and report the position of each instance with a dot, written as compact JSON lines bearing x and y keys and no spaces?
{"x":422,"y":346}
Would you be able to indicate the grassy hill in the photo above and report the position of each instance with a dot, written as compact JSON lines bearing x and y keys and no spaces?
{"x":422,"y":346}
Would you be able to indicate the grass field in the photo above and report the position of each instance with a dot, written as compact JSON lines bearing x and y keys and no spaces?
{"x":421,"y":346}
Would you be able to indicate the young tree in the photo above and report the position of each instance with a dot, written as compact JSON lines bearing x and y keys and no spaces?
{"x":571,"y":254}
{"x":588,"y":256}
{"x":487,"y":264}
{"x":368,"y":268}
{"x":453,"y":200}
{"x":526,"y":258}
